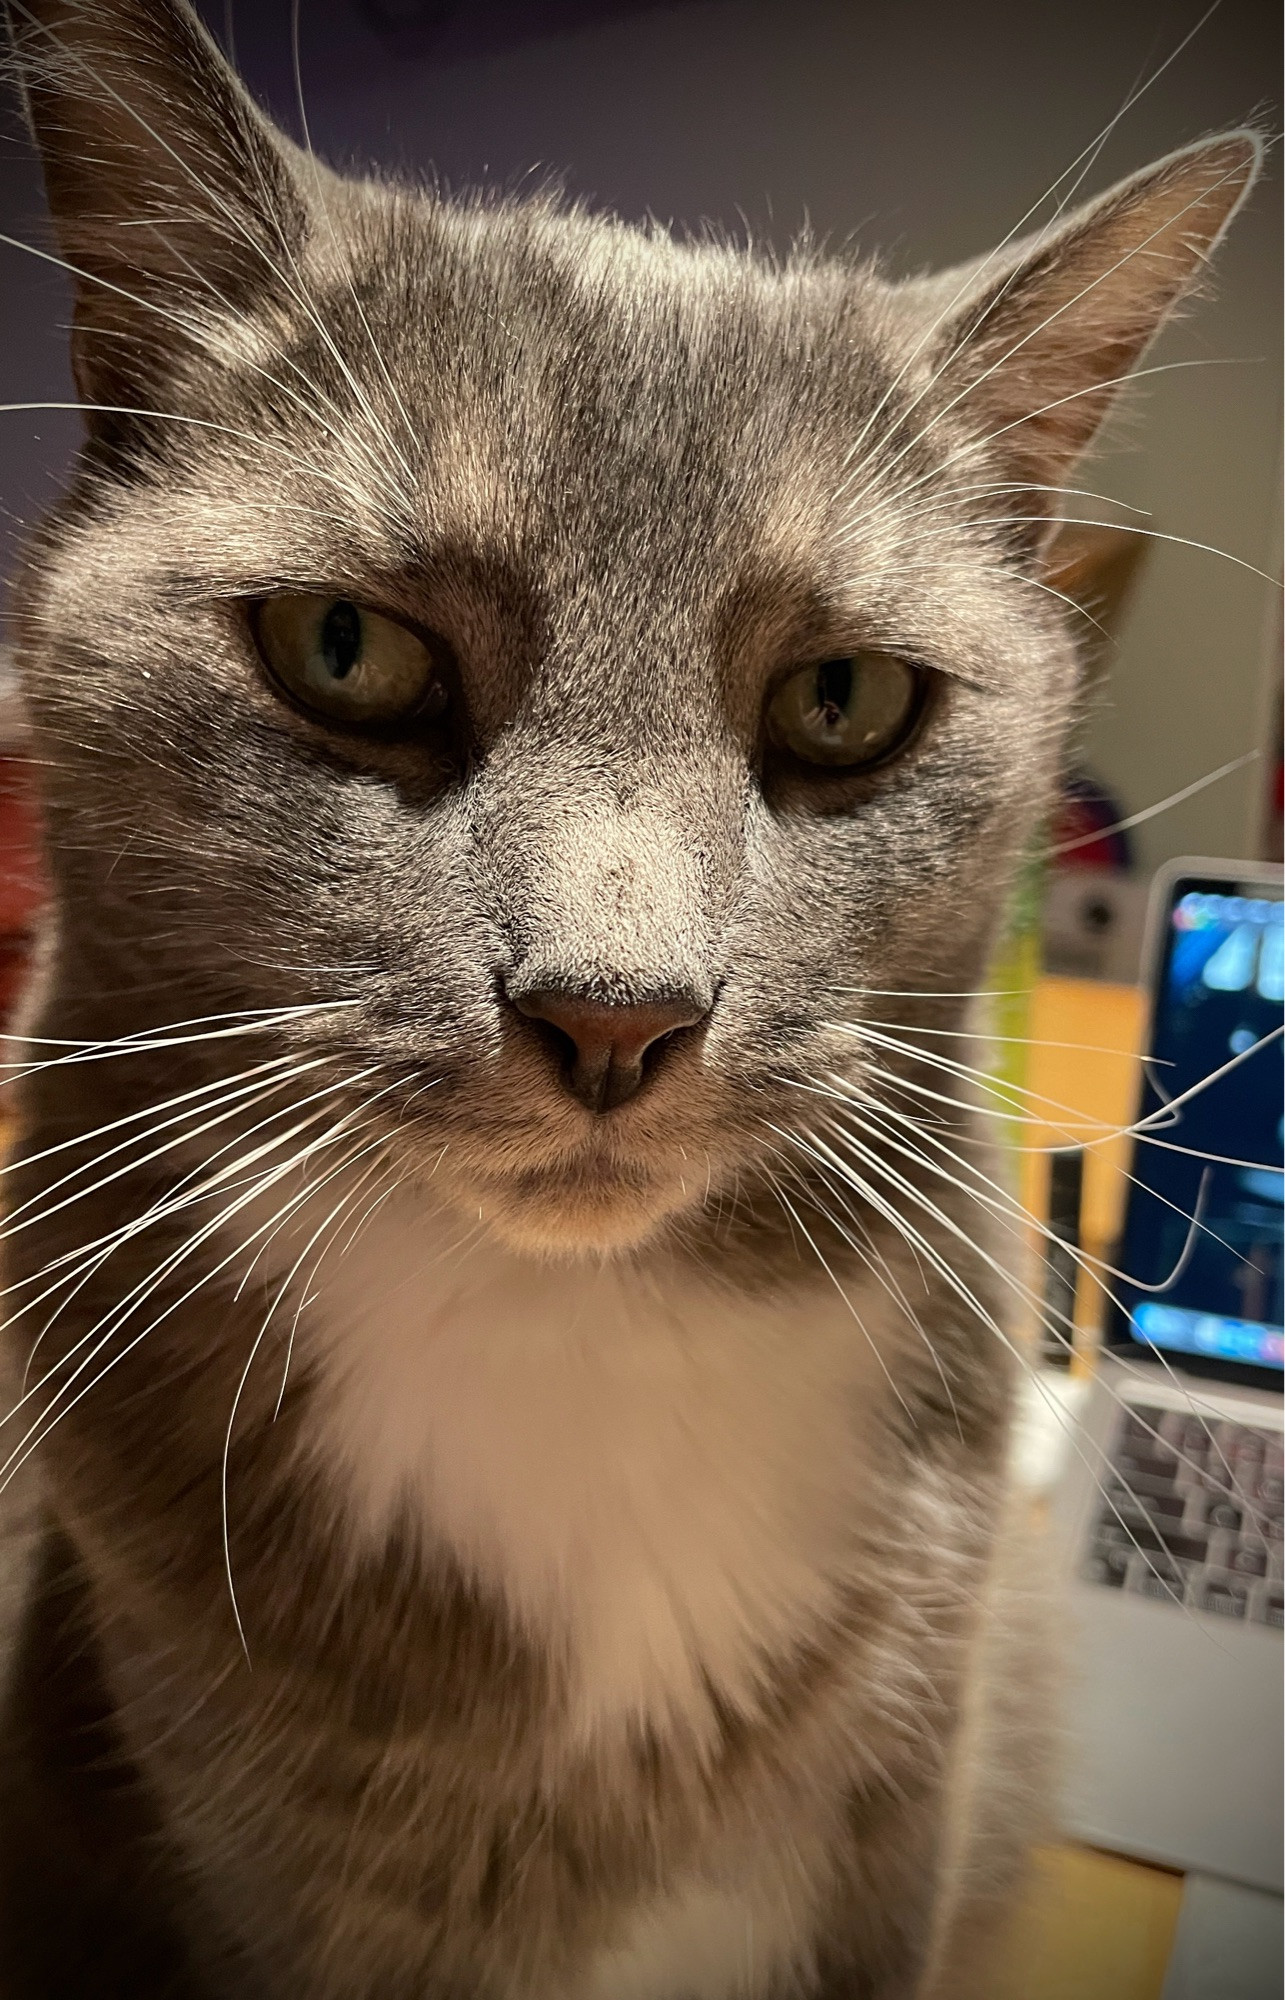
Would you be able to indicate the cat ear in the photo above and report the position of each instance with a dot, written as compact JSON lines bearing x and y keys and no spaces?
{"x":172,"y":197}
{"x":1031,"y":345}
{"x":1093,"y":565}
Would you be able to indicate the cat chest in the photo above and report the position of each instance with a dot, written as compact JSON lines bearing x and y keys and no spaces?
{"x":659,"y":1486}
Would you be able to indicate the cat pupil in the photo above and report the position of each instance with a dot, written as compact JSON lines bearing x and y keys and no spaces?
{"x":834,"y":690}
{"x":341,"y":639}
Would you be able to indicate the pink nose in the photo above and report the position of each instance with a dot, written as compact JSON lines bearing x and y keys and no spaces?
{"x":602,"y":1047}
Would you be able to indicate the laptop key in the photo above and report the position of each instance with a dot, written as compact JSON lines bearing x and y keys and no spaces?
{"x":1194,"y":1437}
{"x":1267,"y":1607}
{"x":1155,"y":1496}
{"x":1224,"y":1596}
{"x":1248,"y":1561}
{"x":1109,"y":1564}
{"x":1164,"y":1540}
{"x":1159,"y":1474}
{"x":1222,"y":1547}
{"x":1152,"y":1576}
{"x":1221,"y":1513}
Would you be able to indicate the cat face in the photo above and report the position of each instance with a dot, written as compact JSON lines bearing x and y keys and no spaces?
{"x":601,"y":663}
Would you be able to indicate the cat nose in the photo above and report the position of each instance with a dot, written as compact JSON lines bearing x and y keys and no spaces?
{"x":603,"y":1046}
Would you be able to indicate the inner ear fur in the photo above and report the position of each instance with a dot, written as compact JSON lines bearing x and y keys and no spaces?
{"x":1094,"y":566}
{"x":172,"y":197}
{"x":1031,"y":345}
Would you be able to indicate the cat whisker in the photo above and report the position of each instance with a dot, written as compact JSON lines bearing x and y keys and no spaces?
{"x":985,"y":1035}
{"x":824,"y":1262}
{"x":976,"y":382}
{"x":1152,"y":812}
{"x":994,"y":1196}
{"x":878,"y":1266}
{"x":895,"y":508}
{"x":377,"y":352}
{"x":946,"y":1271}
{"x":1126,"y":528}
{"x":997,"y":1200}
{"x":1084,"y":162}
{"x":237,"y":231}
{"x":354,"y":493}
{"x":348,"y":1161}
{"x":249,"y":1020}
{"x":196,"y":1186}
{"x":236,"y":1096}
{"x":1143,"y":1128}
{"x":123,"y":1309}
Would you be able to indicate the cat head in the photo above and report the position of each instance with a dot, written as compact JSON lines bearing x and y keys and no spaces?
{"x":604,"y":663}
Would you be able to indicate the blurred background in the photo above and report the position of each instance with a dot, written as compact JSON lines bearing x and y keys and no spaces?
{"x":926,"y":130}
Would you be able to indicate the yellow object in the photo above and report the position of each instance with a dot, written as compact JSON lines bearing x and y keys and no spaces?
{"x":1012,"y":977}
{"x":1081,"y":1089}
{"x":1093,"y":1927}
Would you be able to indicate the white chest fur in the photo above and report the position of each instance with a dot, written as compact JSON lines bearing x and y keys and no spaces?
{"x":660,"y":1479}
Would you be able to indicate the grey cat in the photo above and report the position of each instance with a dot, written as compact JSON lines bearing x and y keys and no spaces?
{"x":519,"y":1506}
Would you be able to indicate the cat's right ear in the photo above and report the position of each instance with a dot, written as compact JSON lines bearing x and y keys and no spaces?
{"x":172,"y":197}
{"x":1032,"y":343}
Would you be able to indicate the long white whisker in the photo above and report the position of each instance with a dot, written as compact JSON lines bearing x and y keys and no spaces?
{"x":1151,"y":812}
{"x":1084,"y":161}
{"x":173,"y":1203}
{"x":236,"y":225}
{"x":253,"y":1094}
{"x":878,"y":1266}
{"x":249,"y":1021}
{"x":121,"y":1310}
{"x":1068,"y":305}
{"x":904,"y":1228}
{"x":821,"y":1258}
{"x":348,"y":1161}
{"x":256,"y":1092}
{"x":1093,"y":1267}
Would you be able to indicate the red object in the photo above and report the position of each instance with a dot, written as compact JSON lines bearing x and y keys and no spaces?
{"x":22,"y":884}
{"x":1085,"y":830}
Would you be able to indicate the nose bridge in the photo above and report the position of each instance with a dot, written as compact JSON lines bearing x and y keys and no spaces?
{"x":618,"y":901}
{"x":599,"y":871}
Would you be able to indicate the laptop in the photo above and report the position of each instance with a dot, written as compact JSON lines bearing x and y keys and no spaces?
{"x":1170,"y":1505}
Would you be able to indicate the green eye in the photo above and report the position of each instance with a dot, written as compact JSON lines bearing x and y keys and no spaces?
{"x":348,"y":663}
{"x":847,"y":712}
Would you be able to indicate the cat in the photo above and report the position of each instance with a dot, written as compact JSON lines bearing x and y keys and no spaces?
{"x":512,"y":1453}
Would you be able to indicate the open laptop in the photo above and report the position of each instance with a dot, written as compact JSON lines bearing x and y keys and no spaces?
{"x":1171,"y":1504}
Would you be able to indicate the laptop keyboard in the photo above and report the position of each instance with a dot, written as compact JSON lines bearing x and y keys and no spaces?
{"x":1191,"y":1515}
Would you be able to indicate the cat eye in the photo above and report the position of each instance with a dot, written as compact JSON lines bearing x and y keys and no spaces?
{"x":347,"y":663}
{"x":846,"y":713}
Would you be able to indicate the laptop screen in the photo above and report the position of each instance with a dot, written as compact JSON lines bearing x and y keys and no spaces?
{"x":1211,"y":1140}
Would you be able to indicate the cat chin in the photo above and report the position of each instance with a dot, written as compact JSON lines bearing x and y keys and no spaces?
{"x":565,"y":1222}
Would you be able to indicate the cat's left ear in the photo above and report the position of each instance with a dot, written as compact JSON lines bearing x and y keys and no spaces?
{"x":172,"y":196}
{"x":1029,"y":346}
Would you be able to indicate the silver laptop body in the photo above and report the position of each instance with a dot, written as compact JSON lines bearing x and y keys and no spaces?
{"x":1169,"y":1509}
{"x":1174,"y":1702}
